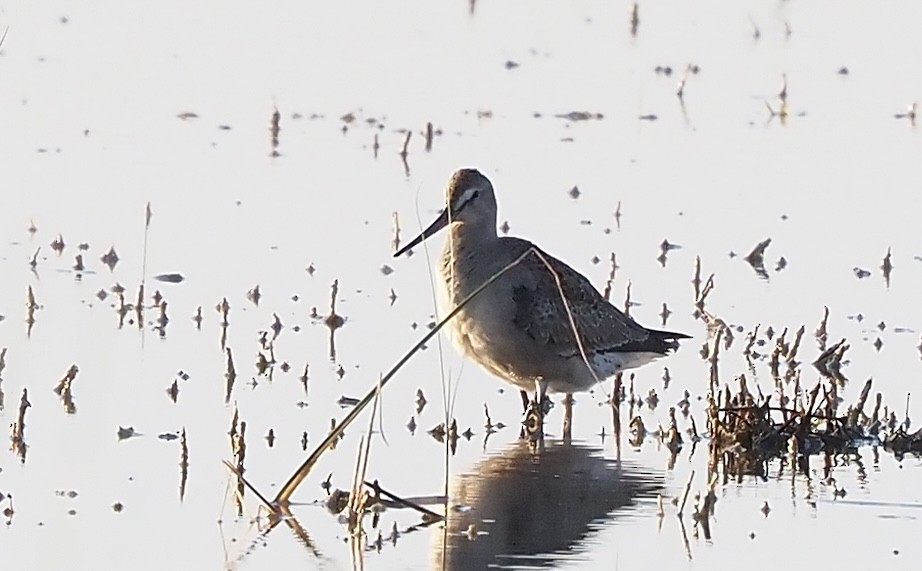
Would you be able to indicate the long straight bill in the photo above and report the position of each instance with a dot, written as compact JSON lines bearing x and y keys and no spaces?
{"x":436,"y":225}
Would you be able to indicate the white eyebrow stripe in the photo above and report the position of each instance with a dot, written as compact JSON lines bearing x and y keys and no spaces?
{"x":466,"y":197}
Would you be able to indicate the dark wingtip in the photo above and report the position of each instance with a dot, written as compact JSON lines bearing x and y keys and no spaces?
{"x":671,"y":339}
{"x":667,"y":335}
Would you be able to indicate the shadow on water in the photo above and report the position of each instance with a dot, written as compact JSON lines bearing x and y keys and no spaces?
{"x":520,"y":508}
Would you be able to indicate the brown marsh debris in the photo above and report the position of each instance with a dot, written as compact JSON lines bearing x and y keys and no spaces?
{"x":276,"y":326}
{"x":183,"y":463}
{"x":333,"y":320}
{"x":58,"y":244}
{"x":230,"y":375}
{"x":274,"y":129}
{"x":172,"y":278}
{"x":783,"y":111}
{"x":429,"y":134}
{"x":34,"y":261}
{"x":139,"y":306}
{"x":579,"y":116}
{"x":886,"y":267}
{"x":254,"y":295}
{"x":31,"y":306}
{"x":126,"y":432}
{"x":18,"y":428}
{"x":304,"y":378}
{"x":238,"y":448}
{"x":396,"y":226}
{"x":173,"y":391}
{"x":820,"y":333}
{"x":162,"y":319}
{"x":665,"y":247}
{"x":404,"y":152}
{"x":63,"y":389}
{"x":756,"y":258}
{"x":747,"y":429}
{"x":901,"y":441}
{"x":110,"y":258}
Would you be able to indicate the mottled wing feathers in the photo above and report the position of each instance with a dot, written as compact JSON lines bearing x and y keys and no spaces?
{"x":541,"y":314}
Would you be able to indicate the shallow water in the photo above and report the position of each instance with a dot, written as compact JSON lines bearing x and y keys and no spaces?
{"x":90,"y":106}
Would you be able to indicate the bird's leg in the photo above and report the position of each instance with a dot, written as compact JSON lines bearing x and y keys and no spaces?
{"x":534,"y":416}
{"x":568,"y":417}
{"x":526,"y":404}
{"x":525,"y":400}
{"x":544,"y":403}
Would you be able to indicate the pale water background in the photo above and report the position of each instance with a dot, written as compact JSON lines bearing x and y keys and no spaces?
{"x":89,"y":134}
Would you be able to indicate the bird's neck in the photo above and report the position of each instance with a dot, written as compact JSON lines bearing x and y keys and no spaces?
{"x":463,"y":259}
{"x":470,"y":234}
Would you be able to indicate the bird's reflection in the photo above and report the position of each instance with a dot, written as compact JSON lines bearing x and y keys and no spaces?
{"x":524,"y":508}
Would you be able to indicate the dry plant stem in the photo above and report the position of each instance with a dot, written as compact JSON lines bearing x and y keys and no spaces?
{"x":147,"y":216}
{"x":713,"y":359}
{"x":792,"y":352}
{"x":685,"y":495}
{"x":183,"y":463}
{"x":429,"y":134}
{"x":396,"y":240}
{"x":379,"y":404}
{"x":606,"y":293}
{"x":274,"y":129}
{"x":412,"y":505}
{"x":18,"y":436}
{"x":230,"y":375}
{"x":696,"y":280}
{"x":253,"y":489}
{"x":702,"y":296}
{"x":23,"y":405}
{"x":358,"y":500}
{"x":67,"y":380}
{"x":356,"y":486}
{"x":859,"y":406}
{"x":688,"y":552}
{"x":292,"y":484}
